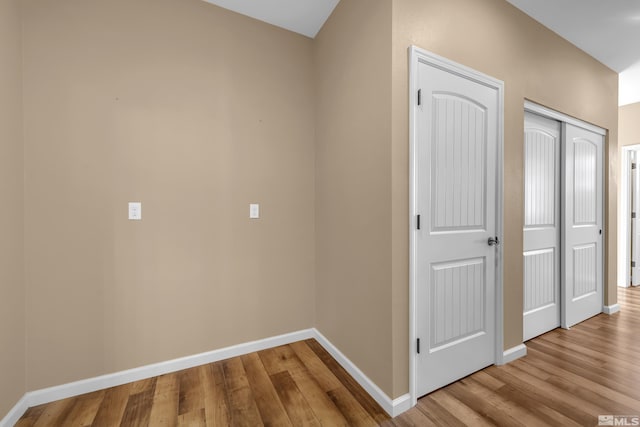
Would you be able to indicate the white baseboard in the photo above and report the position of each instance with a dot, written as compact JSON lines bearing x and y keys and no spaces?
{"x":392,"y":407}
{"x":123,"y":377}
{"x":15,"y":413}
{"x":401,"y":404}
{"x":513,"y":353}
{"x":611,"y":309}
{"x":39,"y":397}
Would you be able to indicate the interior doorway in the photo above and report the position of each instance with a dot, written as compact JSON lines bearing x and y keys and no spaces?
{"x":456,"y":208}
{"x":629,"y":215}
{"x":563,"y":221}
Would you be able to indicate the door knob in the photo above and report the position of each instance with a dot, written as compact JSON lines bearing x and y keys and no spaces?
{"x":493,"y":241}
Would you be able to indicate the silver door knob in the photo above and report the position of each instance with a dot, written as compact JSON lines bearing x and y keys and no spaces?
{"x":493,"y":241}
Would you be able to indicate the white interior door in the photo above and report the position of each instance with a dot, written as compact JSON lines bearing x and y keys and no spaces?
{"x":541,"y":225}
{"x":582,"y":224}
{"x":456,"y":150}
{"x":635,"y":219}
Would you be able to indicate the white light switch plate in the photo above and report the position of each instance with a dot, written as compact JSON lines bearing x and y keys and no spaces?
{"x":254,"y":211}
{"x":135,"y":211}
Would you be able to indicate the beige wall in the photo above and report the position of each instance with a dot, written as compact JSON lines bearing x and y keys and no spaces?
{"x":12,"y":304}
{"x":629,"y":124}
{"x":353,"y":184}
{"x":196,"y":112}
{"x":495,"y":38}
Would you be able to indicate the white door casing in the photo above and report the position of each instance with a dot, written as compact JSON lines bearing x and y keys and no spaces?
{"x":541,"y":235}
{"x":582,"y":233}
{"x":635,"y":221}
{"x":629,"y":155}
{"x":456,"y":192}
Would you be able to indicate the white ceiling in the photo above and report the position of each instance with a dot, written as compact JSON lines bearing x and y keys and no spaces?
{"x":305,"y":17}
{"x":608,"y":30}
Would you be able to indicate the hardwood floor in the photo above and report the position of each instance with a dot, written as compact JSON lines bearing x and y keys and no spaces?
{"x":568,"y":378}
{"x":292,"y":385}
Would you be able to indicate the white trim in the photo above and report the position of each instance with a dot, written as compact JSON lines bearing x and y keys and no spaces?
{"x":553,"y":114}
{"x":413,"y":83}
{"x":513,"y":353}
{"x":16,"y":412}
{"x":611,"y":309}
{"x":417,"y":55}
{"x":500,"y":227}
{"x":624,"y":219}
{"x":38,"y":397}
{"x":46,"y":395}
{"x":401,"y":404}
{"x":391,"y":407}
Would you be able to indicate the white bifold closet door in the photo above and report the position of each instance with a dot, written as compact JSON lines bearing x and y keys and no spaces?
{"x":582,"y":272}
{"x":541,"y":225}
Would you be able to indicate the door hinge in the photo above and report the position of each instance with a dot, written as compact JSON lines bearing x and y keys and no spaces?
{"x":633,"y":264}
{"x":418,"y":222}
{"x":418,"y":346}
{"x":633,"y":165}
{"x":419,"y":96}
{"x":633,"y":214}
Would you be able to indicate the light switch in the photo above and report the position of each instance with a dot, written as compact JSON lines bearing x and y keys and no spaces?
{"x":135,"y":211}
{"x":254,"y":211}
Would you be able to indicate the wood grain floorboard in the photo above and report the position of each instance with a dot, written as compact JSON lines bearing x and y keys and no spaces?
{"x":348,"y":382}
{"x":271,"y":410}
{"x":113,"y":405}
{"x":568,"y":378}
{"x":84,"y":410}
{"x":31,"y":416}
{"x":321,"y":404}
{"x":244,"y":411}
{"x":216,"y":400}
{"x":138,"y":409}
{"x":437,"y":414}
{"x":165,"y":401}
{"x":294,"y":402}
{"x":55,"y":413}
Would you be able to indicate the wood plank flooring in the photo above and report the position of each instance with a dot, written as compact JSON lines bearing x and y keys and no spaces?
{"x":299,"y":384}
{"x":568,"y":378}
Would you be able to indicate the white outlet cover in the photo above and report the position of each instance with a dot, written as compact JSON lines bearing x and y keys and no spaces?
{"x":135,"y":211}
{"x":254,"y":211}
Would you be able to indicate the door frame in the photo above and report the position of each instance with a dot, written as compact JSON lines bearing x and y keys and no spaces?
{"x":540,"y":110}
{"x":417,"y":56}
{"x":624,"y":219}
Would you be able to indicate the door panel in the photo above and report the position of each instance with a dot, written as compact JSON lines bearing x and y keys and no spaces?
{"x":541,"y":225}
{"x":458,"y":163}
{"x":456,"y":183}
{"x":584,"y":182}
{"x":540,"y":279}
{"x":582,"y":225}
{"x":584,"y":270}
{"x":455,"y":315}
